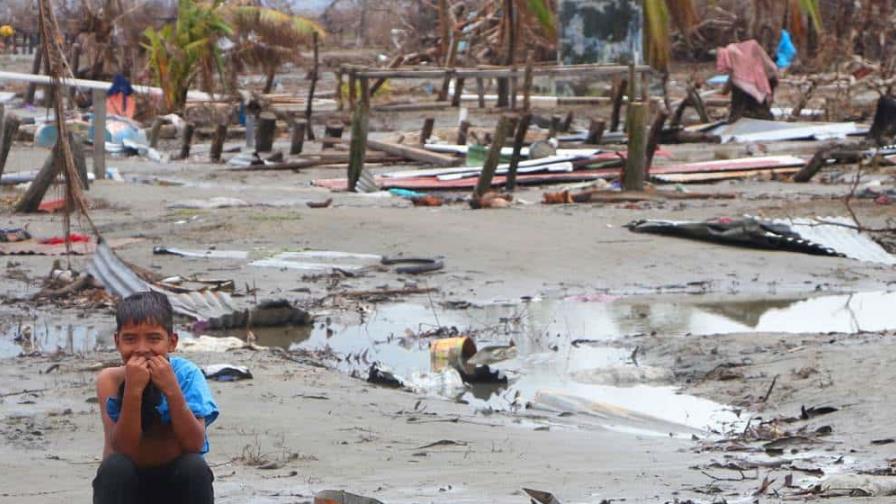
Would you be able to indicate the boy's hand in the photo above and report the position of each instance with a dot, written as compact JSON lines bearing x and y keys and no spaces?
{"x":136,"y":374}
{"x":163,"y":376}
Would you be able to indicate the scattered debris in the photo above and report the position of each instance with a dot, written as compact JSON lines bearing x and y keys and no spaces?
{"x":226,"y":372}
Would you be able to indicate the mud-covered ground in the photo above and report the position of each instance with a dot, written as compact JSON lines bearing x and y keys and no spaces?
{"x":297,"y":428}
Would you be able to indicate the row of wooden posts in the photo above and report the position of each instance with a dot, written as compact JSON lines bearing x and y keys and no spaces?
{"x":639,"y":154}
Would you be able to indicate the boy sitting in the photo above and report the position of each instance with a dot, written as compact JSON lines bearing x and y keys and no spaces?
{"x":155,"y":410}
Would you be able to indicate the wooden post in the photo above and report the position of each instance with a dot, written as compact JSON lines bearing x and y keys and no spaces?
{"x":567,"y":122}
{"x":358,"y":146}
{"x":527,"y":82}
{"x":74,"y":62}
{"x":458,"y":92}
{"x":443,"y":92}
{"x":297,"y":142}
{"x":332,"y":131}
{"x":555,"y":126}
{"x":462,"y":129}
{"x":518,"y":140}
{"x":10,"y":128}
{"x":155,"y":131}
{"x":99,"y":134}
{"x":503,"y":92}
{"x":595,"y":131}
{"x":218,"y":142}
{"x":314,"y":77}
{"x":426,"y":132}
{"x":35,"y":69}
{"x":513,"y":87}
{"x":493,"y":158}
{"x":265,"y":131}
{"x":618,"y":98}
{"x":186,"y":140}
{"x":480,"y":91}
{"x":340,"y":100}
{"x":653,"y":139}
{"x":633,"y":177}
{"x":352,"y":91}
{"x":30,"y":201}
{"x":77,"y":145}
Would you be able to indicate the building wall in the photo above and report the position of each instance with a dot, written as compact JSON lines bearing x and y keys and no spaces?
{"x":600,"y":31}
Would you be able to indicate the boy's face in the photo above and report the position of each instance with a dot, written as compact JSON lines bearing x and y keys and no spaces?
{"x":144,"y":339}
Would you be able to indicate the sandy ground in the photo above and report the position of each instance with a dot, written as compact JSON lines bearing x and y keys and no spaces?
{"x":321,"y":429}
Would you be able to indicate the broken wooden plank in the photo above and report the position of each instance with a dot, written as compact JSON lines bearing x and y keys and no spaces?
{"x":413,"y":153}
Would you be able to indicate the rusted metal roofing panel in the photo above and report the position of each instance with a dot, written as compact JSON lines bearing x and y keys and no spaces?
{"x":120,"y":280}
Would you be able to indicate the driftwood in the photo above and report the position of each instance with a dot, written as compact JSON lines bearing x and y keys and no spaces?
{"x":321,"y":160}
{"x":840,"y":153}
{"x":413,"y":153}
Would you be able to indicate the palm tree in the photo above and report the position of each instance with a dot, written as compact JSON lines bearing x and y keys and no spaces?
{"x":267,"y":38}
{"x":185,"y":50}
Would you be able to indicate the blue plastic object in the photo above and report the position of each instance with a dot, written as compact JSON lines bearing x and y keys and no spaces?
{"x":786,"y":51}
{"x":405,"y":193}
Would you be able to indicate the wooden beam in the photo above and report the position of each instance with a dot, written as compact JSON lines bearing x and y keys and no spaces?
{"x":414,"y":153}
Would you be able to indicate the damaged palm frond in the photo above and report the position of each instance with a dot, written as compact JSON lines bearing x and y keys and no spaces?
{"x":659,"y":16}
{"x":267,"y":38}
{"x":656,"y":32}
{"x":59,"y":70}
{"x":542,"y":11}
{"x":180,"y":52}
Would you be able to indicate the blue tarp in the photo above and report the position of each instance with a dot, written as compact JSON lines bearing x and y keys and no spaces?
{"x":786,"y":51}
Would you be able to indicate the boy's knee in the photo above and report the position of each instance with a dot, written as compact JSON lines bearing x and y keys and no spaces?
{"x":192,"y":467}
{"x":117,"y":467}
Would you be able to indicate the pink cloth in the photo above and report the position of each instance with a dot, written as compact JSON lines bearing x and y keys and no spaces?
{"x":749,"y":68}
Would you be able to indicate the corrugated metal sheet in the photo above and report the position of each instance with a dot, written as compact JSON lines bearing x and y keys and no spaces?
{"x":121,"y":281}
{"x":600,"y":31}
{"x":747,"y":130}
{"x":840,"y":236}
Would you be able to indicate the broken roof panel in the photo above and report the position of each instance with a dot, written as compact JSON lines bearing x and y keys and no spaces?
{"x":747,"y":130}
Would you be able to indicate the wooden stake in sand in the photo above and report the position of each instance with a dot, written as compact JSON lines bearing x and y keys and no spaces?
{"x":462,"y":130}
{"x":314,"y":77}
{"x":518,"y":140}
{"x":633,"y":176}
{"x":186,"y":140}
{"x":426,"y":132}
{"x":297,"y":142}
{"x":218,"y":142}
{"x":358,"y":146}
{"x":265,"y":131}
{"x":10,"y":128}
{"x":493,"y":158}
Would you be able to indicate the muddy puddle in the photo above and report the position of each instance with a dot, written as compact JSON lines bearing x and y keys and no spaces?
{"x":569,"y":356}
{"x":560,"y":358}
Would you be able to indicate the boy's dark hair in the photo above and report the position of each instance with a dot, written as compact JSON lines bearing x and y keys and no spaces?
{"x":150,"y":307}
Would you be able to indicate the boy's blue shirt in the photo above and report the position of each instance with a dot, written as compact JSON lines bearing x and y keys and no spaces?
{"x":196,"y":394}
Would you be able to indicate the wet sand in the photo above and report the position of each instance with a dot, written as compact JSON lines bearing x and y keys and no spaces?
{"x":367,"y":439}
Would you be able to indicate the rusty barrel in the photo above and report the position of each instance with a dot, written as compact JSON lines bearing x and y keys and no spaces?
{"x":450,"y":352}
